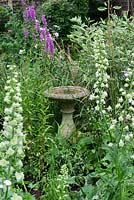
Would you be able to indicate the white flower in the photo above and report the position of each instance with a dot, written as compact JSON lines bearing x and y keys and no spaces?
{"x":7,"y":182}
{"x":104,"y":94}
{"x":120,"y":118}
{"x":118,"y":106}
{"x":19,"y":176}
{"x":16,"y":105}
{"x":7,"y":99}
{"x":112,"y":126}
{"x":126,"y":128}
{"x":131,"y":135}
{"x":102,"y":85}
{"x":132,"y":157}
{"x":19,"y":163}
{"x":17,"y":98}
{"x":92,"y":97}
{"x":126,"y":85}
{"x":127,"y":137}
{"x":131,"y":108}
{"x":109,"y":108}
{"x":121,"y":143}
{"x":56,"y":35}
{"x":96,"y":197}
{"x":14,"y":140}
{"x":36,"y":46}
{"x":103,"y":111}
{"x":97,"y":108}
{"x":8,"y":82}
{"x":16,"y":197}
{"x":13,"y":123}
{"x":96,"y":90}
{"x":120,"y":99}
{"x":1,"y":186}
{"x":14,"y":80}
{"x":4,"y":162}
{"x":8,"y":111}
{"x":10,"y":151}
{"x":110,"y":144}
{"x":123,"y":93}
{"x":121,"y":90}
{"x":21,"y":51}
{"x":4,"y":144}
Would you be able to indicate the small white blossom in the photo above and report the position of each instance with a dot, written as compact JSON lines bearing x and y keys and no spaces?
{"x":126,"y":128}
{"x":127,"y":138}
{"x":56,"y":35}
{"x":118,"y":106}
{"x":126,"y":85}
{"x":16,"y":197}
{"x":1,"y":186}
{"x":92,"y":97}
{"x":131,"y":135}
{"x":110,"y":144}
{"x":109,"y":108}
{"x":8,"y":111}
{"x":3,"y":162}
{"x":7,"y":182}
{"x":121,"y":143}
{"x":120,"y":118}
{"x":10,"y":151}
{"x":19,"y":176}
{"x":120,"y":100}
{"x":22,"y":51}
{"x":131,"y":108}
{"x":132,"y":157}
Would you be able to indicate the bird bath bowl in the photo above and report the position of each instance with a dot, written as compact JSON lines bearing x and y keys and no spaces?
{"x":66,"y":95}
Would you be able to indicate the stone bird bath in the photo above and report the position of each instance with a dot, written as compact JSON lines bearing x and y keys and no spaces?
{"x":66,"y":96}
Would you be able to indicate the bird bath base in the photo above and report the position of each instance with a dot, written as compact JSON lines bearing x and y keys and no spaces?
{"x":66,"y":96}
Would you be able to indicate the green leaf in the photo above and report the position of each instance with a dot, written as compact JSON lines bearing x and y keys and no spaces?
{"x":117,"y":7}
{"x":102,"y":8}
{"x":88,"y":191}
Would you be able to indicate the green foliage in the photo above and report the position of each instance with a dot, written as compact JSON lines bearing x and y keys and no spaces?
{"x":60,"y":12}
{"x":96,"y":162}
{"x":12,"y":40}
{"x":5,"y":13}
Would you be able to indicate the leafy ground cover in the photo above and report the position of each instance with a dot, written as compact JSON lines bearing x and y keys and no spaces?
{"x":97,"y":161}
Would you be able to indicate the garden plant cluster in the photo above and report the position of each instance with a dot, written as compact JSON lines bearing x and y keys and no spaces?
{"x":97,"y":161}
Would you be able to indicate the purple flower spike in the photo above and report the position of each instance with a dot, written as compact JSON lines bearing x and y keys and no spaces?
{"x":43,"y":19}
{"x":41,"y":37}
{"x":49,"y":47}
{"x":26,"y":33}
{"x":43,"y":31}
{"x":37,"y":27}
{"x":31,"y":13}
{"x":42,"y":34}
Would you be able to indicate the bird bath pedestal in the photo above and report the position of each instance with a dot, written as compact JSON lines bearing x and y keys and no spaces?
{"x":66,"y":95}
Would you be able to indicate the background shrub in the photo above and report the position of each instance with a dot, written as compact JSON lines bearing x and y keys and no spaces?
{"x":5,"y":13}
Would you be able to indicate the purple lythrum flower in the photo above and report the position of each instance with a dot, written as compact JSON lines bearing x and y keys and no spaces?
{"x":31,"y":13}
{"x":37,"y":27}
{"x":41,"y":37}
{"x":49,"y":46}
{"x":26,"y":33}
{"x":43,"y":19}
{"x":42,"y":34}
